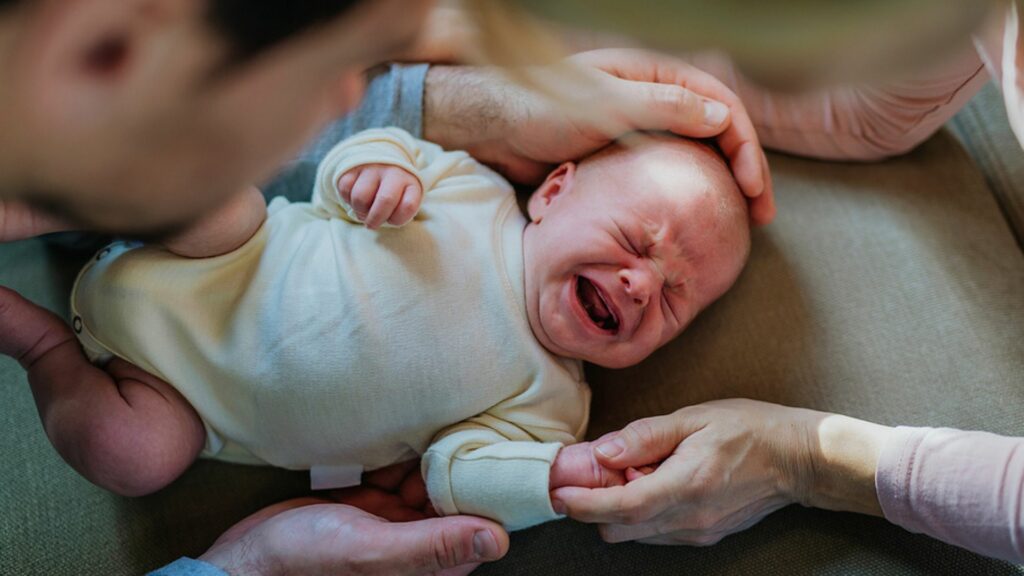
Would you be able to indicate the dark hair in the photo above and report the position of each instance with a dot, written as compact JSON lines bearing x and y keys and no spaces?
{"x":254,"y":25}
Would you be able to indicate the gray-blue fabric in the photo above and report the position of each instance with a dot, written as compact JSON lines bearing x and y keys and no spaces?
{"x":394,"y":97}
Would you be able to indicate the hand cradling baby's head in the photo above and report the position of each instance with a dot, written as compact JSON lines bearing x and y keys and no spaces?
{"x":626,"y":247}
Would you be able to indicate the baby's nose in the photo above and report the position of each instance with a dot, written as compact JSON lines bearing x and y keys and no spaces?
{"x":637,"y":284}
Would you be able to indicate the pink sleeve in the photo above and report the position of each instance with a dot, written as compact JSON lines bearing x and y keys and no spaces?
{"x":964,"y":488}
{"x":856,"y":122}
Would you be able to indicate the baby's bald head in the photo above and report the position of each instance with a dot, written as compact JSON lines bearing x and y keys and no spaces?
{"x":626,"y":247}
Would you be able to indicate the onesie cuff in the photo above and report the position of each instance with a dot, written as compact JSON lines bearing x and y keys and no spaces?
{"x":509,"y":484}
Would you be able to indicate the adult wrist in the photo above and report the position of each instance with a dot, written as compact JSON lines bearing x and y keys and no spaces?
{"x":464,"y":106}
{"x":843,"y":454}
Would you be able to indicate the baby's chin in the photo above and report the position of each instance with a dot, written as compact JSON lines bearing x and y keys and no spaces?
{"x":613,"y":359}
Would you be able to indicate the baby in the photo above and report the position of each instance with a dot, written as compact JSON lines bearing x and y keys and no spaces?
{"x":318,"y":339}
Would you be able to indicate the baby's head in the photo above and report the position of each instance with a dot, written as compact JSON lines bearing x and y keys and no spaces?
{"x":627,"y":246}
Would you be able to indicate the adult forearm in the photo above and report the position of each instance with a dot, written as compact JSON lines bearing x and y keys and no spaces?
{"x":964,"y":488}
{"x":464,"y":106}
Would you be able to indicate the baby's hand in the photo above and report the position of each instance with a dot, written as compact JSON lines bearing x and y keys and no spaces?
{"x":576,"y":465}
{"x":380,"y":193}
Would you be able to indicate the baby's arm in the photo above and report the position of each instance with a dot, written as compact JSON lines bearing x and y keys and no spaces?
{"x":120,"y":427}
{"x":222,"y":230}
{"x":498,"y":464}
{"x":495,"y":469}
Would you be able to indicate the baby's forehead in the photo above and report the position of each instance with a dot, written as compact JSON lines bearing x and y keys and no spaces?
{"x":674,"y":189}
{"x":663,"y":165}
{"x":678,"y":179}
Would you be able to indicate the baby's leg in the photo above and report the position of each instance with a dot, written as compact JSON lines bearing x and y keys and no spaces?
{"x":120,"y":427}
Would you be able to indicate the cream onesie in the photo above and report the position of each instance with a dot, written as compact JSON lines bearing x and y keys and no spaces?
{"x":321,"y":344}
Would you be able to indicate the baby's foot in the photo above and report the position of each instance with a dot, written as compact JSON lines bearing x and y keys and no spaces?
{"x":27,"y":331}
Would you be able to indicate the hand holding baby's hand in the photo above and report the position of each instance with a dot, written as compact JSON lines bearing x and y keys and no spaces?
{"x":576,"y":465}
{"x":380,"y":193}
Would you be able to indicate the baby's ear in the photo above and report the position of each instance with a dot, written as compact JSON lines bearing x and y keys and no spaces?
{"x":556,"y":185}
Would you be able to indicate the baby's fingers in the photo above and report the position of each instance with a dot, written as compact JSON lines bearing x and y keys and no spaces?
{"x":364,"y":191}
{"x":412,"y":197}
{"x":389,"y":195}
{"x":345,"y":184}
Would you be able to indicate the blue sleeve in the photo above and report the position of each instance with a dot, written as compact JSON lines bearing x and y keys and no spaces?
{"x":394,"y":97}
{"x":188,"y":567}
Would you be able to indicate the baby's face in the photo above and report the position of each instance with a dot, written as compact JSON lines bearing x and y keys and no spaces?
{"x":626,"y":248}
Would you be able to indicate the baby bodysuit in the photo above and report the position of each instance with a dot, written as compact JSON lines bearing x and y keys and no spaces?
{"x":321,"y":343}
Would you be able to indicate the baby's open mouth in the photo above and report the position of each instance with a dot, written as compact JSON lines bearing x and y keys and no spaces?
{"x":594,"y":304}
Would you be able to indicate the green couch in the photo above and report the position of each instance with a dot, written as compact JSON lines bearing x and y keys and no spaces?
{"x":892,"y":292}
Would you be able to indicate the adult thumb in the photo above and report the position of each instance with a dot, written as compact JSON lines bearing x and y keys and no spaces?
{"x":452,"y":546}
{"x":656,"y":106}
{"x":643,"y":442}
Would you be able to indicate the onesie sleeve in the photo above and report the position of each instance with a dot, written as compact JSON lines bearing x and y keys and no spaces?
{"x":428,"y":162}
{"x":497,"y":465}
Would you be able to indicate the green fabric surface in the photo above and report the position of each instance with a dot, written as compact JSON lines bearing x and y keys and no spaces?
{"x":890,"y":292}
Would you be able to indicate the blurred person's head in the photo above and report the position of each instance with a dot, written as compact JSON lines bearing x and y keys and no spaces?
{"x":783,"y":43}
{"x":135,"y":115}
{"x":626,"y":247}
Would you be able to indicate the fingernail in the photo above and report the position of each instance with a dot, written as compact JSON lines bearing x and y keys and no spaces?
{"x":715,"y":113}
{"x":611,"y":449}
{"x":485,"y":547}
{"x":559,"y":507}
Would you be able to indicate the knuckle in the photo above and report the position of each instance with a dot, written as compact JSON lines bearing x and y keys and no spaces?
{"x":446,"y":549}
{"x":688,"y":105}
{"x":642,"y":432}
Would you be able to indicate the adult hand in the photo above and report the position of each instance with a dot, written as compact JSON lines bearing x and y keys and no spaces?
{"x":522,"y":133}
{"x":720,"y":467}
{"x":313,"y":536}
